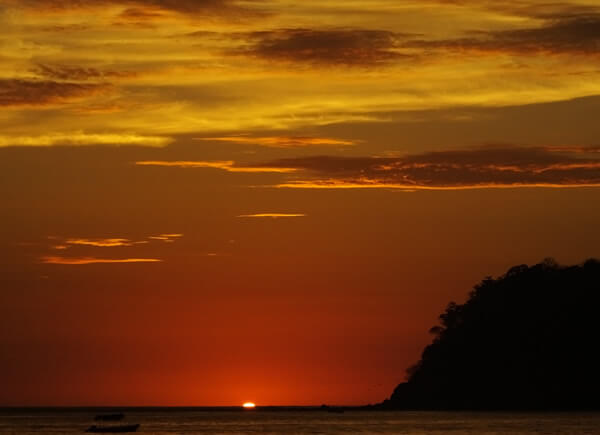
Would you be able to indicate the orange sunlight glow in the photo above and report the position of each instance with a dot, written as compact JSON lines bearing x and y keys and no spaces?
{"x":249,"y":405}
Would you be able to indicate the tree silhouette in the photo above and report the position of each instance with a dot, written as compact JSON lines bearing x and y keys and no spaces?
{"x":526,"y":340}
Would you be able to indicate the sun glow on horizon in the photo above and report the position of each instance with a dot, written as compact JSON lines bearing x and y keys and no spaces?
{"x":249,"y":405}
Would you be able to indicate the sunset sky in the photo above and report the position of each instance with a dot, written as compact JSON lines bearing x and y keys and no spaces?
{"x":208,"y":202}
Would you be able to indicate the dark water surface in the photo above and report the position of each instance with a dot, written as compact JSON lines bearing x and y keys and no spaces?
{"x":174,"y":421}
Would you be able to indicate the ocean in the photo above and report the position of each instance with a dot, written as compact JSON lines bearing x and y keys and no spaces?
{"x":174,"y":421}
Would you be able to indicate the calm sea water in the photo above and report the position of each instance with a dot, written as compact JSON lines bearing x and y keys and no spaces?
{"x":302,"y":422}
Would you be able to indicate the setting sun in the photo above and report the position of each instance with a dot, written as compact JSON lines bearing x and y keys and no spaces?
{"x":249,"y":405}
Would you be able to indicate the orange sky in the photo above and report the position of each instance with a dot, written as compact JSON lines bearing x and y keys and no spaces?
{"x":207,"y":202}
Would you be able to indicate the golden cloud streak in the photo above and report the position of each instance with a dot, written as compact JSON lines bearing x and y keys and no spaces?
{"x":493,"y":167}
{"x":372,"y":184}
{"x":85,"y":139}
{"x":102,"y":243}
{"x":168,"y":238}
{"x":227,"y":165}
{"x":92,"y":260}
{"x":112,"y":242}
{"x":282,"y":141}
{"x":272,"y":215}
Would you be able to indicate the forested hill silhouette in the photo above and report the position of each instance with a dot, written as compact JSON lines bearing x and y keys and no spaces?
{"x":527,"y":340}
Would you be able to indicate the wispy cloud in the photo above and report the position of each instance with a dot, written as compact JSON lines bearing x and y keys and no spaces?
{"x":489,"y":167}
{"x":102,"y":243}
{"x":229,"y":166}
{"x":365,"y":183}
{"x":528,"y":9}
{"x":77,"y":261}
{"x":144,"y":9}
{"x":168,"y":238}
{"x":77,"y":73}
{"x":140,"y":16}
{"x":18,"y":92}
{"x":282,"y":141}
{"x":573,"y":35}
{"x":348,"y":47}
{"x":85,"y":139}
{"x":108,"y":242}
{"x":272,"y":215}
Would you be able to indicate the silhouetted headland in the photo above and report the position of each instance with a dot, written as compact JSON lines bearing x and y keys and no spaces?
{"x":527,"y":340}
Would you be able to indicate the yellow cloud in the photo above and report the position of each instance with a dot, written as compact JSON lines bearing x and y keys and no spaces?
{"x":112,"y":242}
{"x":76,"y":261}
{"x":169,"y":238}
{"x":282,"y":141}
{"x":168,"y":78}
{"x":85,"y":139}
{"x":103,"y":243}
{"x":272,"y":215}
{"x":228,"y":166}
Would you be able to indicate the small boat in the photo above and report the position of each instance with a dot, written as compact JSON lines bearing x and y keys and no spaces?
{"x":109,"y":417}
{"x":113,"y":429}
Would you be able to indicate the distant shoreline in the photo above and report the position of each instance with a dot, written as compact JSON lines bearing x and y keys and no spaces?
{"x":176,"y":408}
{"x":275,"y":408}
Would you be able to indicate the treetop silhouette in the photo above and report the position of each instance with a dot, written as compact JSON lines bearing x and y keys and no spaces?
{"x":526,"y":340}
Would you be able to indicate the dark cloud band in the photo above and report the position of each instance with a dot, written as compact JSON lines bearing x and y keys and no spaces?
{"x":143,"y":8}
{"x":346,"y":47}
{"x":16,"y":92}
{"x":476,"y":168}
{"x":576,"y":35}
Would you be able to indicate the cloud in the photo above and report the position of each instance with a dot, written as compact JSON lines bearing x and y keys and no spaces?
{"x":102,"y":243}
{"x":347,"y":47}
{"x":76,"y":261}
{"x":17,"y":92}
{"x":139,"y":16}
{"x":528,"y":8}
{"x":143,"y":9}
{"x":111,"y":242}
{"x":168,"y":238}
{"x":229,"y":166}
{"x":282,"y":141}
{"x":93,"y":109}
{"x":77,"y":73}
{"x":575,"y":35}
{"x":85,"y":139}
{"x":272,"y":215}
{"x":489,"y":167}
{"x":574,"y":149}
